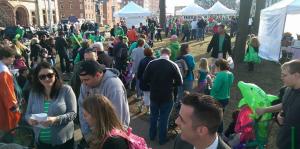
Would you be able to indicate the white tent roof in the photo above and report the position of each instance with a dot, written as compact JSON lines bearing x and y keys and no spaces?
{"x":192,"y":10}
{"x":132,"y":10}
{"x":219,"y":8}
{"x":273,"y":21}
{"x":291,"y":6}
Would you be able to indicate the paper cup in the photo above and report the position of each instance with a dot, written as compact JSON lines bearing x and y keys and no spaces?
{"x":40,"y":117}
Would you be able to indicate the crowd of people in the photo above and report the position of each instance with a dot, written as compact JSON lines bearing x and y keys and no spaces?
{"x":90,"y":87}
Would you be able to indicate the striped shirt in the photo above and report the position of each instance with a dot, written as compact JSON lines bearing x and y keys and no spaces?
{"x":45,"y":133}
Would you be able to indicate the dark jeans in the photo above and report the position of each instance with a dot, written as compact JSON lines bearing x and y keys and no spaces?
{"x":186,"y":37}
{"x":64,"y":63}
{"x":161,"y":113}
{"x":223,"y":103}
{"x":201,"y":33}
{"x":158,"y":37}
{"x":68,"y":145}
{"x":152,"y":36}
{"x":194,"y":34}
{"x":187,"y":86}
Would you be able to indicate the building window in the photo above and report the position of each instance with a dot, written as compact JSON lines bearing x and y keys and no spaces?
{"x":81,"y":6}
{"x":81,"y":15}
{"x":62,"y":15}
{"x":71,"y":6}
{"x":45,"y":17}
{"x":33,"y":18}
{"x":61,"y":6}
{"x":54,"y":16}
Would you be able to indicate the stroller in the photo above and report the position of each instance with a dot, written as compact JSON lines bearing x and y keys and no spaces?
{"x":127,"y":76}
{"x":173,"y":116}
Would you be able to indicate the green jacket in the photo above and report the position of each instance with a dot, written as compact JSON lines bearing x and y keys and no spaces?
{"x":222,"y":85}
{"x":76,"y":41}
{"x":175,"y":47}
{"x":119,"y":31}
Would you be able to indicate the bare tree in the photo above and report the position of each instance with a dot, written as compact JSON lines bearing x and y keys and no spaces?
{"x":243,"y":30}
{"x":162,"y":13}
{"x":260,"y":4}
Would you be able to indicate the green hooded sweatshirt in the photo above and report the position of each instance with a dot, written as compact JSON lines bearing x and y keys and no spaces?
{"x":175,"y":47}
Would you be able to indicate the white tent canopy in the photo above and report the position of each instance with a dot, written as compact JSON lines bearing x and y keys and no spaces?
{"x":219,"y":8}
{"x":275,"y":20}
{"x":132,"y":10}
{"x":192,"y":10}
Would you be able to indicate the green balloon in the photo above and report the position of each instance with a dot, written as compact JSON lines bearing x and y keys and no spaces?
{"x":255,"y":97}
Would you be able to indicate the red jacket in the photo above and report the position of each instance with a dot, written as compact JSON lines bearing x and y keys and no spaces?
{"x":132,"y":35}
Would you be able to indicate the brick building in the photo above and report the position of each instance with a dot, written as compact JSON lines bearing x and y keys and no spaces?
{"x":28,"y":12}
{"x":82,"y":9}
{"x":106,"y":10}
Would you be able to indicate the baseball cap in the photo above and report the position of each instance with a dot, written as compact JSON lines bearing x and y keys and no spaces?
{"x":90,"y":68}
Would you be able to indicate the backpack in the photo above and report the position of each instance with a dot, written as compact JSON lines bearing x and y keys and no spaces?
{"x":134,"y":141}
{"x":183,"y":67}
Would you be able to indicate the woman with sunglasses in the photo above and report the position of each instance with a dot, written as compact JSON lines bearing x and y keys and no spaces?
{"x":49,"y":95}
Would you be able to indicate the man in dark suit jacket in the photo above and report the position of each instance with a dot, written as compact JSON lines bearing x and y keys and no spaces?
{"x":199,"y":119}
{"x":220,"y":44}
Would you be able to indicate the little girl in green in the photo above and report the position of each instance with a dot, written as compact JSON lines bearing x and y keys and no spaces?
{"x":251,"y":56}
{"x":203,"y":76}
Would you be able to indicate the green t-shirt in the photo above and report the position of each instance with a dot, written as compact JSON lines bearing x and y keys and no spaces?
{"x":45,"y":133}
{"x":221,"y":41}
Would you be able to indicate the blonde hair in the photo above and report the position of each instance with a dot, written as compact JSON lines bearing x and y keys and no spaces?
{"x":203,"y":64}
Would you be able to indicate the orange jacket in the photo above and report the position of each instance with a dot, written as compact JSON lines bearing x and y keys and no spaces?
{"x":8,"y":102}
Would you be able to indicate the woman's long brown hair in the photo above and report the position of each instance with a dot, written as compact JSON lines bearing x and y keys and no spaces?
{"x":255,"y":42}
{"x":101,"y":109}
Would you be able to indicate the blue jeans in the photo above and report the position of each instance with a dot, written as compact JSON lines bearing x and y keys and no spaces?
{"x":161,"y":113}
{"x":202,"y":31}
{"x":187,"y":86}
{"x":139,"y":92}
{"x":198,"y":34}
{"x":194,"y":34}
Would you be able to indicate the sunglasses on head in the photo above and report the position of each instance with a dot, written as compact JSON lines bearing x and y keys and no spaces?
{"x":49,"y":76}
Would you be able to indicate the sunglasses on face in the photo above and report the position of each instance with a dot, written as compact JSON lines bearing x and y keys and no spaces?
{"x":49,"y":76}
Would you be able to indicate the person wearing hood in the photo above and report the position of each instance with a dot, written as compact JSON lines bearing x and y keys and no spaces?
{"x":98,"y":80}
{"x":175,"y":47}
{"x":103,"y":57}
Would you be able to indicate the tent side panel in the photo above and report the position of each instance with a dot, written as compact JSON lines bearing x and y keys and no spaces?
{"x":270,"y":33}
